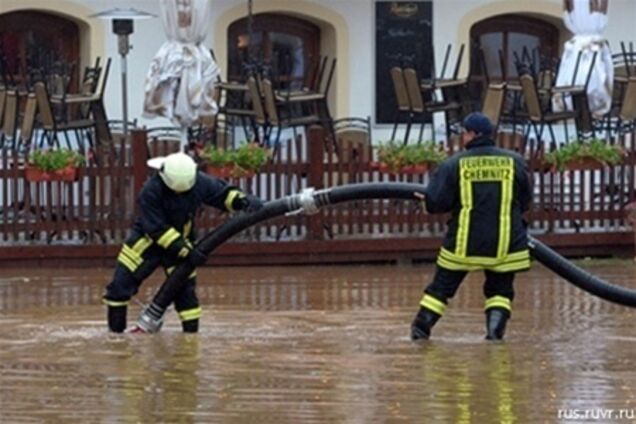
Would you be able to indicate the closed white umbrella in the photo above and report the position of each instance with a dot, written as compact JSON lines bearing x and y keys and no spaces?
{"x":181,"y":78}
{"x":587,"y":19}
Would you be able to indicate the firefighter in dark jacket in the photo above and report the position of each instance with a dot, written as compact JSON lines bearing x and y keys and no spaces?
{"x":486,"y":190}
{"x":163,"y":234}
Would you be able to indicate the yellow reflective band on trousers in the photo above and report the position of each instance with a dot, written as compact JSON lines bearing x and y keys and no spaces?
{"x":130,"y":257}
{"x":498,"y":302}
{"x":115,"y":303}
{"x":190,"y":314}
{"x":433,"y":304}
{"x":142,"y":244}
{"x":168,"y":237}
{"x":231,"y":195}
{"x":517,"y":261}
{"x":169,"y":270}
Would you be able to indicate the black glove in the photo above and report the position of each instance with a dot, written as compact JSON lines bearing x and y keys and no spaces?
{"x":197,"y":257}
{"x":248,"y":203}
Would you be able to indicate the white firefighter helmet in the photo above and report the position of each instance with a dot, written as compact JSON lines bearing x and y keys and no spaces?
{"x":178,"y":171}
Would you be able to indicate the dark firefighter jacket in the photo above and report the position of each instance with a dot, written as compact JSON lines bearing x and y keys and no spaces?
{"x":486,"y":190}
{"x":166,"y":217}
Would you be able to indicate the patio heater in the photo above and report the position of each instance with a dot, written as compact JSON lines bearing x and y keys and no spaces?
{"x":123,"y":27}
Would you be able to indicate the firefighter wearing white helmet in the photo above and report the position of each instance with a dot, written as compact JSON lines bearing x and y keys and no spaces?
{"x":178,"y":171}
{"x":163,"y":234}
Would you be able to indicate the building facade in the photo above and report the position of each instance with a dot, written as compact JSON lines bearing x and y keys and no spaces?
{"x":349,"y":30}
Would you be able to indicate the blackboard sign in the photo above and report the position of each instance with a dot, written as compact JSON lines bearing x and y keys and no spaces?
{"x":403,"y":37}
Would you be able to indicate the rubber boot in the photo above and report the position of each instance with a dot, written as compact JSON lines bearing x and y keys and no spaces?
{"x":422,"y":324}
{"x":496,"y":319}
{"x":117,"y":318}
{"x":190,"y":326}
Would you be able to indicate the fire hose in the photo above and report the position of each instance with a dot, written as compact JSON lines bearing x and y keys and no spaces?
{"x":309,"y":201}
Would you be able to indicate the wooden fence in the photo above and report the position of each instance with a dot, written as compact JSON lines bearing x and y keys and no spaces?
{"x":84,"y":221}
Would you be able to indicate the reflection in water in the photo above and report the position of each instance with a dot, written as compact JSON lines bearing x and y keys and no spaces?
{"x":313,"y":344}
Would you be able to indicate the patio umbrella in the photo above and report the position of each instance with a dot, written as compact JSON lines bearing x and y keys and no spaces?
{"x":181,"y":78}
{"x":586,"y":19}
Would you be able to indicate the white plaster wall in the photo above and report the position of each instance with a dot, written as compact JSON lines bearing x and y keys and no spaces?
{"x":358,"y":15}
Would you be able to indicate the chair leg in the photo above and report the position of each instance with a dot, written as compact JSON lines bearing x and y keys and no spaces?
{"x":68,"y":141}
{"x":325,"y":116}
{"x":396,"y":118}
{"x":552,"y":132}
{"x":408,"y":128}
{"x":421,"y":134}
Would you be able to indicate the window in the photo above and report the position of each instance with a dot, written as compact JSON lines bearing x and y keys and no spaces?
{"x":37,"y":41}
{"x":288,"y":46}
{"x":500,"y":37}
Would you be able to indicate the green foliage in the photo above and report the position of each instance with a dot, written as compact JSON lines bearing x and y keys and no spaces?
{"x":397,"y":155}
{"x":249,"y":157}
{"x":597,"y":149}
{"x":216,"y":156}
{"x":52,"y":160}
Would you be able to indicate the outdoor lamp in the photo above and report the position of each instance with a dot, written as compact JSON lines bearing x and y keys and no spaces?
{"x":123,"y":27}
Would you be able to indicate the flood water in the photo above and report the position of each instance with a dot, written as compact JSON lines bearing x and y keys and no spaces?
{"x":325,"y":344}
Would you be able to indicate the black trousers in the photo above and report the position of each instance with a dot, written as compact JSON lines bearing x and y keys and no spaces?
{"x":446,"y":282}
{"x":132,"y":270}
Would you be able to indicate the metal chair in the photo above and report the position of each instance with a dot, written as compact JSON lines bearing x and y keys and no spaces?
{"x":278,"y":114}
{"x":541,"y":116}
{"x":415,"y":90}
{"x":402,"y":101}
{"x":493,"y":103}
{"x":51,"y":126}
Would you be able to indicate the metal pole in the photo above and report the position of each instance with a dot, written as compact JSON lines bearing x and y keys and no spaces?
{"x":124,"y":95}
{"x":124,"y":48}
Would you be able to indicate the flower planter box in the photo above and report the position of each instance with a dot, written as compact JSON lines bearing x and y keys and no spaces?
{"x":228,"y":171}
{"x":409,"y":169}
{"x":34,"y":174}
{"x":584,"y":163}
{"x":414,"y":169}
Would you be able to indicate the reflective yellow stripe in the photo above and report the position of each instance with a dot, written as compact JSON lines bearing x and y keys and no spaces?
{"x":132,"y":255}
{"x":515,"y":266}
{"x":114,"y":302}
{"x":169,"y":270}
{"x":498,"y":302}
{"x":168,"y":237}
{"x":190,"y":314}
{"x":484,"y":260}
{"x":516,"y":261}
{"x":504,"y":210}
{"x":433,"y":304}
{"x":187,"y":228}
{"x":233,"y":194}
{"x":142,"y":244}
{"x":463,"y":225}
{"x":123,"y":259}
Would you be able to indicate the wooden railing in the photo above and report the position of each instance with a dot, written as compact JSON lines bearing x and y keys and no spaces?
{"x":99,"y":207}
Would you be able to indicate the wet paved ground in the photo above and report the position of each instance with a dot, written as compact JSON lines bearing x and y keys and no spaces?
{"x":315,"y":344}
